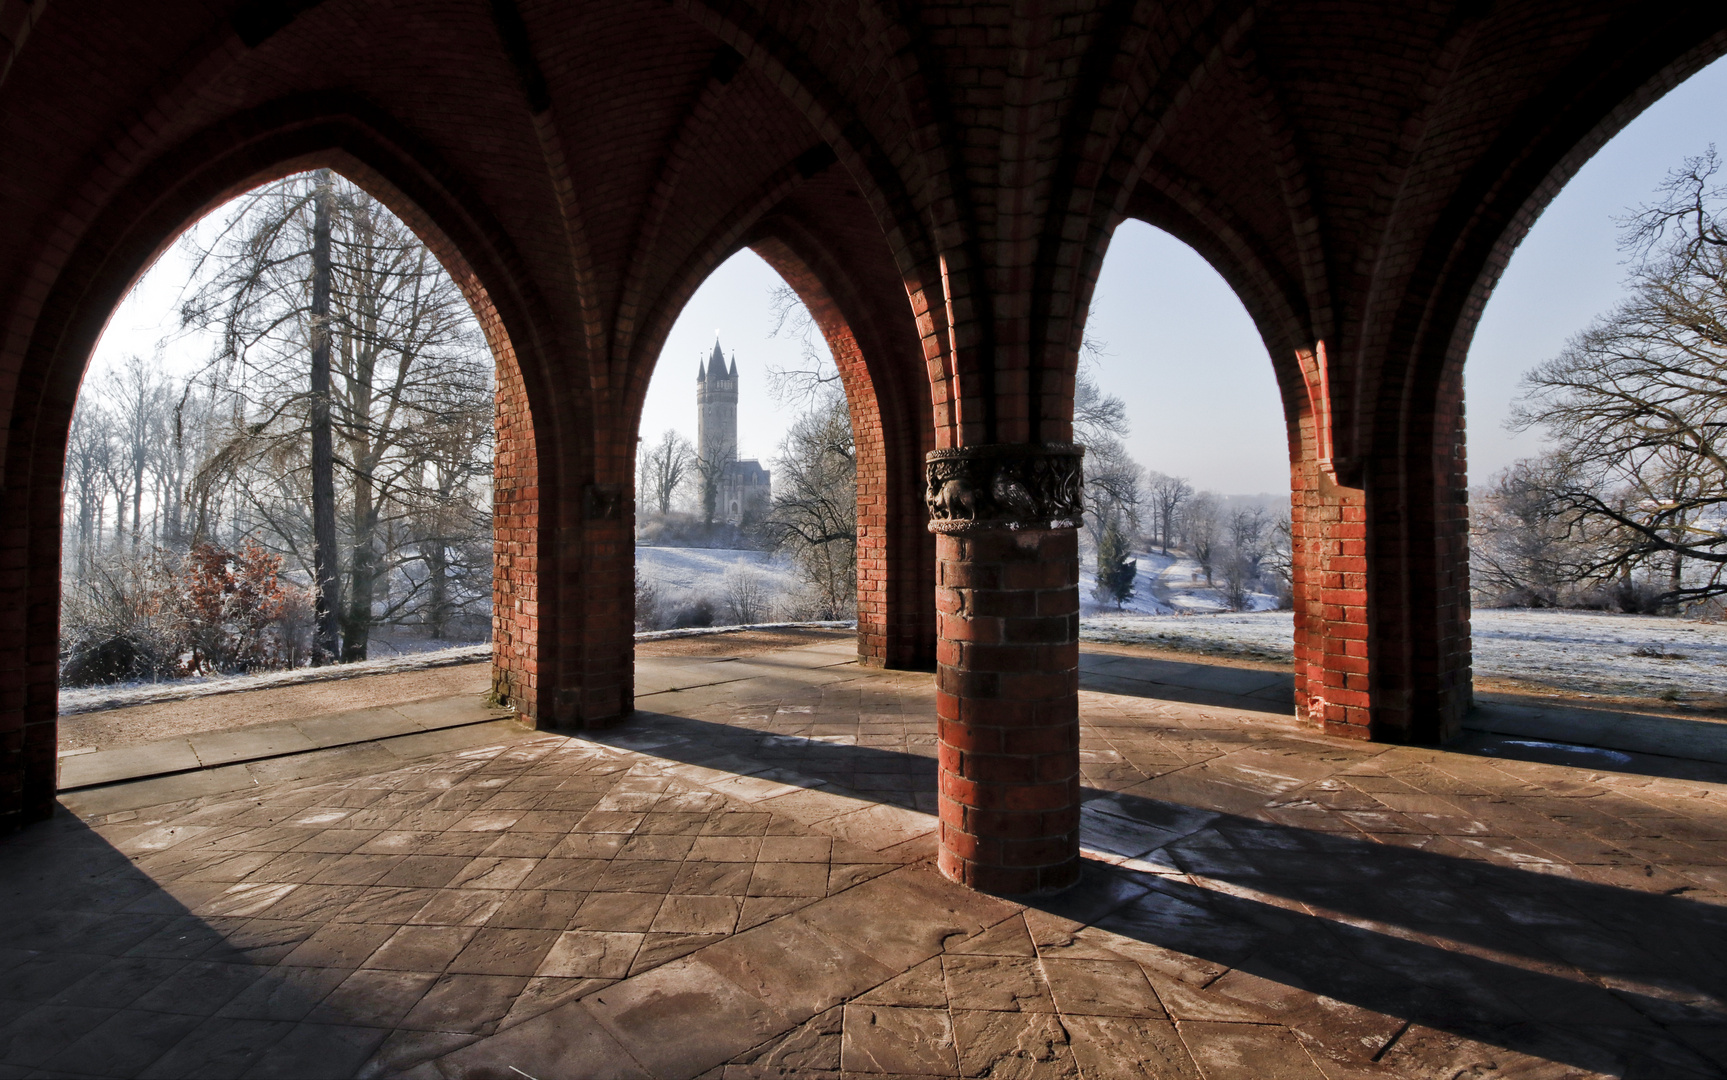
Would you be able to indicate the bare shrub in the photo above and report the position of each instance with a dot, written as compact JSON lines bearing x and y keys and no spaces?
{"x":746,"y":596}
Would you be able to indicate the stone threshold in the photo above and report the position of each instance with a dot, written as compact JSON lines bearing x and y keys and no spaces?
{"x":263,"y":742}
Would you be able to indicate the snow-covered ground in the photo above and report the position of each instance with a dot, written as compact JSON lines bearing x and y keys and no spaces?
{"x":682,"y":573}
{"x":1164,"y":585}
{"x":1579,"y":651}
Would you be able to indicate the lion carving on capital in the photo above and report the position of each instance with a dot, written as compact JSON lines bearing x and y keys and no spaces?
{"x":1003,"y":486}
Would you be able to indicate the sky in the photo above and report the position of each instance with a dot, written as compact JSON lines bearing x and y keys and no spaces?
{"x":1177,"y":346}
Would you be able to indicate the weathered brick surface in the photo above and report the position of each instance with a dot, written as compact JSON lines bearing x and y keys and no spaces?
{"x":939,"y":181}
{"x":1007,"y":708}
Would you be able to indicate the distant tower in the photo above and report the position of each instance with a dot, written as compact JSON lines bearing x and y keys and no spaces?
{"x":717,"y":408}
{"x":744,"y":487}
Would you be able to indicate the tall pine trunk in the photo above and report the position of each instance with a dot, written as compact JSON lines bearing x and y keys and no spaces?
{"x":326,"y":631}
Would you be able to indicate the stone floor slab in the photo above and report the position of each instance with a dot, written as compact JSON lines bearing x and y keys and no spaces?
{"x":739,"y":884}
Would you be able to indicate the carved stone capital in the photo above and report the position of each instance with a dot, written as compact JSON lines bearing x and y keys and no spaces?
{"x":1004,"y":486}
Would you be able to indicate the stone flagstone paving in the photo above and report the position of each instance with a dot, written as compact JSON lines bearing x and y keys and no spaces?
{"x":739,"y":884}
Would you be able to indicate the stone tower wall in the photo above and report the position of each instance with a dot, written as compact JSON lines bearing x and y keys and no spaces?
{"x":717,"y":417}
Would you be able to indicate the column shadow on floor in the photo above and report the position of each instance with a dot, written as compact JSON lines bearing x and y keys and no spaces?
{"x":1591,"y":975}
{"x":104,"y":973}
{"x":1505,"y":726}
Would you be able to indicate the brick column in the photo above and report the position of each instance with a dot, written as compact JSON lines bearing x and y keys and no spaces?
{"x":1007,"y":665}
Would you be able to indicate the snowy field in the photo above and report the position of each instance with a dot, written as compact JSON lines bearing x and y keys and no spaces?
{"x":682,"y":573}
{"x":1163,"y":585}
{"x":1578,"y":651}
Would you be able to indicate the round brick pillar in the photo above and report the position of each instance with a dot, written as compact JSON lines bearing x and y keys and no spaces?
{"x":1007,"y":684}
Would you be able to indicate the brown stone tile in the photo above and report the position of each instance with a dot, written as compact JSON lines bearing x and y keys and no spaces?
{"x":460,"y":907}
{"x":1034,"y":1046}
{"x":570,"y":875}
{"x":883,"y":1039}
{"x":421,"y":948}
{"x":609,"y":821}
{"x":903,"y":918}
{"x":424,"y":871}
{"x":284,"y":994}
{"x":760,"y":909}
{"x":667,"y":847}
{"x":810,"y":1051}
{"x":373,"y":998}
{"x":671,"y":824}
{"x":547,"y":992}
{"x":1006,"y":938}
{"x":789,"y":879}
{"x":588,"y":846}
{"x":996,"y":983}
{"x":465,"y":1003}
{"x":924,"y":986}
{"x":1247,"y":1051}
{"x":529,"y":909}
{"x":799,"y":849}
{"x":625,"y":912}
{"x":339,"y":945}
{"x":679,"y":1019}
{"x":697,"y":915}
{"x":385,"y":905}
{"x":500,"y":951}
{"x":713,"y":878}
{"x":525,"y":845}
{"x":300,"y":866}
{"x":733,"y":849}
{"x":736,"y":823}
{"x":564,"y":1042}
{"x":320,"y":903}
{"x":637,"y":875}
{"x":357,"y":870}
{"x":794,"y":968}
{"x":338,"y":841}
{"x":591,"y":954}
{"x":558,"y":822}
{"x":660,"y":947}
{"x":1101,"y":988}
{"x":490,"y":873}
{"x":1109,"y":1047}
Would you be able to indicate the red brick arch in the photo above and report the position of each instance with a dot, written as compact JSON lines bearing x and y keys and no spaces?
{"x":140,"y":223}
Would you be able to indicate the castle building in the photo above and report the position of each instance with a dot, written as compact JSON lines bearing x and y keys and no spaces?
{"x":745,"y":488}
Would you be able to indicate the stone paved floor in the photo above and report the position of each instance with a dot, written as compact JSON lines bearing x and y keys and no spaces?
{"x":738,"y":884}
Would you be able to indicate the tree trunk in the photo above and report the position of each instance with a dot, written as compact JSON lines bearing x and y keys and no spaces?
{"x":325,"y":642}
{"x":362,"y":572}
{"x":438,"y":603}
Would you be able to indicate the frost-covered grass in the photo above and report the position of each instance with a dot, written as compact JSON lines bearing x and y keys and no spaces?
{"x":1164,"y":585}
{"x":1576,"y":651}
{"x":683,"y":573}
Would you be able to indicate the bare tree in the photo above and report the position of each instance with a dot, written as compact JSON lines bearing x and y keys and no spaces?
{"x":408,"y":397}
{"x":1168,"y":495}
{"x":746,"y":595}
{"x":1202,"y":524}
{"x":666,"y":468}
{"x":1636,"y":405}
{"x":814,"y":513}
{"x":89,"y":449}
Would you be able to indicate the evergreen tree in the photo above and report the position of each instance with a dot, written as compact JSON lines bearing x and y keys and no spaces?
{"x":1115,"y":566}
